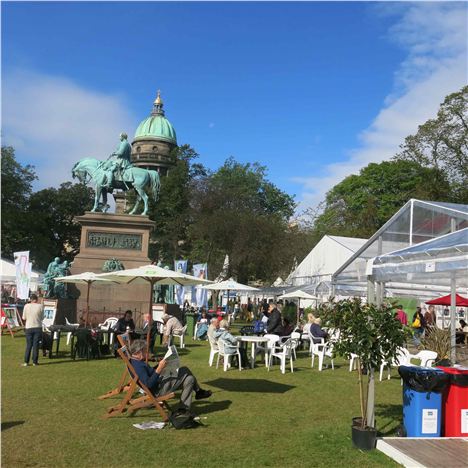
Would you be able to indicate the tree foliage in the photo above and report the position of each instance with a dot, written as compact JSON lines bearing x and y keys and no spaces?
{"x":361,"y":204}
{"x":41,"y":222}
{"x":237,"y":211}
{"x":442,"y":143}
{"x":16,"y":188}
{"x":172,"y":212}
{"x":54,"y":232}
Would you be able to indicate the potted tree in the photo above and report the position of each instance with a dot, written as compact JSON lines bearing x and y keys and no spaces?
{"x":372,"y":333}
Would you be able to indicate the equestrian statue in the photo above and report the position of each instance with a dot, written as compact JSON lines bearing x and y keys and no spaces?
{"x":117,"y":172}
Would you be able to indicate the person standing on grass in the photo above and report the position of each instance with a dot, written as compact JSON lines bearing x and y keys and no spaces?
{"x":33,"y":315}
{"x":400,"y":315}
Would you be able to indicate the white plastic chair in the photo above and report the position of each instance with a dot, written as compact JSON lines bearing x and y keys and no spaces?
{"x":195,"y":331}
{"x":69,"y":334}
{"x":227,"y":356}
{"x":268,"y":347}
{"x":321,"y":350}
{"x":426,"y":357}
{"x":403,"y":359}
{"x":352,"y":361}
{"x":108,"y":325}
{"x":181,"y":337}
{"x":214,"y":349}
{"x":283,"y":352}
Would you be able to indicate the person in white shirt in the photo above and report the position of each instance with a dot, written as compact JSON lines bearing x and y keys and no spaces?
{"x":33,"y":315}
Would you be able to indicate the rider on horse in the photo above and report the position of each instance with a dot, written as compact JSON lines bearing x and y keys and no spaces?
{"x":118,"y":161}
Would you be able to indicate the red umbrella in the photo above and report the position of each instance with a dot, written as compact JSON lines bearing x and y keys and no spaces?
{"x":445,"y":300}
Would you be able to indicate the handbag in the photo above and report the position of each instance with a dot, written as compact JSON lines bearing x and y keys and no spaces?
{"x":416,"y":323}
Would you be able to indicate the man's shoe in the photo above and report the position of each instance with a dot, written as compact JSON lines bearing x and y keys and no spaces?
{"x":35,"y":363}
{"x":202,"y":394}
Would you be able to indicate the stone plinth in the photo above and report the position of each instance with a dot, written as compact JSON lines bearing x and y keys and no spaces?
{"x":105,"y":236}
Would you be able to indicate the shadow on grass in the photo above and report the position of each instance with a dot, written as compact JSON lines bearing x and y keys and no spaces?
{"x":10,"y":424}
{"x":250,"y":385}
{"x":205,"y":407}
{"x":394,"y":413}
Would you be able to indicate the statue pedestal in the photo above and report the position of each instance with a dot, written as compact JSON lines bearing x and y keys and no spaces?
{"x":105,"y":236}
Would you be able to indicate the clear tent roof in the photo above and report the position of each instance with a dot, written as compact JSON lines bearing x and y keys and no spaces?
{"x":417,"y":221}
{"x":436,"y":261}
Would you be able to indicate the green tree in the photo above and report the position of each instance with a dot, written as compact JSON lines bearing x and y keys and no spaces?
{"x":237,"y":211}
{"x":361,"y":204}
{"x":16,"y":189}
{"x":52,"y":227}
{"x":172,"y":212}
{"x":442,"y":143}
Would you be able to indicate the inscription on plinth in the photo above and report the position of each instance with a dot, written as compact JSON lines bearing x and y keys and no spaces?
{"x":113,"y":240}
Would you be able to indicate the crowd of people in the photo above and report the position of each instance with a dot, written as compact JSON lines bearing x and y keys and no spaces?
{"x":424,"y":319}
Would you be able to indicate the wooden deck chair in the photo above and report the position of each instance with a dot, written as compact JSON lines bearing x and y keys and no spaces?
{"x":148,"y":400}
{"x":124,"y":382}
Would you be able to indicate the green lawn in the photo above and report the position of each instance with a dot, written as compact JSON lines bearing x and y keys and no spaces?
{"x":51,"y":416}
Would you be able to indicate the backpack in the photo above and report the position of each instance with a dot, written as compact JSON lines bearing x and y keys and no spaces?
{"x":259,"y":326}
{"x":183,"y":419}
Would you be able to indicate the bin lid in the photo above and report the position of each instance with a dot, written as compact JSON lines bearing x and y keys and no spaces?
{"x":458,"y":375}
{"x":424,"y":379}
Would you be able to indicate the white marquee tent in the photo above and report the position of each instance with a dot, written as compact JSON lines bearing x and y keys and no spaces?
{"x":324,"y":259}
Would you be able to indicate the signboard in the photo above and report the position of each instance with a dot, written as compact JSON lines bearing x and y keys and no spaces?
{"x":113,"y":240}
{"x":158,"y":311}
{"x":10,"y":316}
{"x":50,"y":310}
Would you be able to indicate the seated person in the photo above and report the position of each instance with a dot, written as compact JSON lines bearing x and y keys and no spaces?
{"x":231,"y":342}
{"x":158,"y":383}
{"x":461,"y":332}
{"x":310,"y":321}
{"x":316,"y":330}
{"x":121,"y":326}
{"x":287,"y":328}
{"x":124,"y":322}
{"x":202,"y":327}
{"x":172,"y":326}
{"x":274,"y":325}
{"x":214,"y":326}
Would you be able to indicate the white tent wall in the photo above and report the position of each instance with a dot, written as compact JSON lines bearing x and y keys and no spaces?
{"x":324,"y":259}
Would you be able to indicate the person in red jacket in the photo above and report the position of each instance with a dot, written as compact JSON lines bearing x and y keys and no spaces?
{"x":400,"y":315}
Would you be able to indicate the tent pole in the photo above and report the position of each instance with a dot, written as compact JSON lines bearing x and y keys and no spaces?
{"x":150,"y":319}
{"x":87,"y":304}
{"x":453,"y":301}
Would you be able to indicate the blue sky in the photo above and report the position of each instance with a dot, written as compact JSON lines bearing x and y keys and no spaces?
{"x":314,"y":91}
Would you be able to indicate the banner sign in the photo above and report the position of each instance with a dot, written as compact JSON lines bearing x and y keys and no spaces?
{"x":181,"y":267}
{"x":50,"y":310}
{"x":23,"y":274}
{"x":199,"y":295}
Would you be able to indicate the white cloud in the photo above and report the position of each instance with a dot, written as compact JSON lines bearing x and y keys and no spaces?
{"x":434,"y":35}
{"x":52,"y":122}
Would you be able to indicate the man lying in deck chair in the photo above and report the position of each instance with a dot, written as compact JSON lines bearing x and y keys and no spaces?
{"x":158,"y":383}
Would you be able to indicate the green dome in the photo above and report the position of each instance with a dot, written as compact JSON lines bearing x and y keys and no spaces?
{"x":157,"y":127}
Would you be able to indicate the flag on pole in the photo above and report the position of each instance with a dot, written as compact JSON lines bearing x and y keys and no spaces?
{"x":181,"y":267}
{"x":199,"y":295}
{"x":23,"y":274}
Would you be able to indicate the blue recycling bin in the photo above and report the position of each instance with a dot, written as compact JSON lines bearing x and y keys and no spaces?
{"x":422,"y":400}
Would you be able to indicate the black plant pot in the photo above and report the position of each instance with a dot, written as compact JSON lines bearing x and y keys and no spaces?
{"x":444,"y":363}
{"x":363,"y":438}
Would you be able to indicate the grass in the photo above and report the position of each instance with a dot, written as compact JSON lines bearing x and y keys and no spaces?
{"x":51,"y":416}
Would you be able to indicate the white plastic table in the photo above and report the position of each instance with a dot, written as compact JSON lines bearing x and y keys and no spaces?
{"x":253,"y":340}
